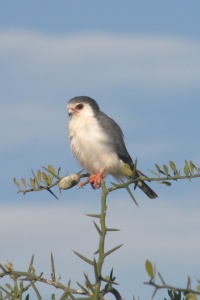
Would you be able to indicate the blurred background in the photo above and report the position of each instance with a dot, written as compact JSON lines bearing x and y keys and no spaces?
{"x":140,"y":60}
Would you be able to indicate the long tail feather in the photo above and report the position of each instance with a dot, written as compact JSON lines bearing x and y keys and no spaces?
{"x":146,"y":189}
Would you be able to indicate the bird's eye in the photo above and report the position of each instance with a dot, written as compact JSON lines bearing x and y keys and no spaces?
{"x":79,"y":106}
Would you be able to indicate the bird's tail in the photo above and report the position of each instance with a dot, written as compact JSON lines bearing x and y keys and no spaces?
{"x":146,"y":189}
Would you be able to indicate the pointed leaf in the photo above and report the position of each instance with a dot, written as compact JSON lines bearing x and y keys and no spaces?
{"x":167,"y":183}
{"x":186,"y":169}
{"x":49,"y":182}
{"x":35,"y":179}
{"x":173,"y":166}
{"x":16,"y":291}
{"x":32,"y":183}
{"x":45,"y":178}
{"x":192,"y":166}
{"x":39,"y":176}
{"x":157,"y":167}
{"x":198,"y":288}
{"x":51,"y":169}
{"x":166,"y":169}
{"x":23,"y":182}
{"x":52,"y":172}
{"x":16,"y":183}
{"x":153,"y":172}
{"x":8,"y":286}
{"x":149,"y":268}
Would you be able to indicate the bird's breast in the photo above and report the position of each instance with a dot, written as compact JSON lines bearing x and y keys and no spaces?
{"x":92,"y":146}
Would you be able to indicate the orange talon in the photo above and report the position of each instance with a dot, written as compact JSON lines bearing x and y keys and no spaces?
{"x":82,"y":184}
{"x":95,"y":179}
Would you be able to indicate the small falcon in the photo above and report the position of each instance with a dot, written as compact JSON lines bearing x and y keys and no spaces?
{"x":97,"y":142}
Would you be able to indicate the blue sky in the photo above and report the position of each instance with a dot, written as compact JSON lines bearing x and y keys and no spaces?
{"x":141,"y":61}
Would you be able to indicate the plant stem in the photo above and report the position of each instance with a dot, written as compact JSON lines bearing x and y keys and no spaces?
{"x":101,"y":250}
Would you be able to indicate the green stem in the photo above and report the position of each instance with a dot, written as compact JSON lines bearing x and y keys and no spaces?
{"x":101,"y":250}
{"x":164,"y":178}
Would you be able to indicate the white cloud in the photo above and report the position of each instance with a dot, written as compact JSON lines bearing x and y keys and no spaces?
{"x":100,"y":59}
{"x":38,"y":71}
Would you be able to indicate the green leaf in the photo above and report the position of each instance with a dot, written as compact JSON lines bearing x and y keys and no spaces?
{"x":39,"y":176}
{"x":166,"y":169}
{"x":45,"y":177}
{"x":198,"y":288}
{"x":153,"y":172}
{"x":166,"y":183}
{"x":191,"y":296}
{"x":173,"y":166}
{"x":157,"y":167}
{"x":32,"y":183}
{"x":23,"y":182}
{"x":186,"y":169}
{"x":35,"y":179}
{"x":16,"y":183}
{"x":149,"y":268}
{"x":16,"y":291}
{"x":51,"y":169}
{"x":9,"y":286}
{"x":192,"y":166}
{"x":49,"y":179}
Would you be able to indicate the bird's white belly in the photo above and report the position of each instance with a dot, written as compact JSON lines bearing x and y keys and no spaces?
{"x":92,"y":148}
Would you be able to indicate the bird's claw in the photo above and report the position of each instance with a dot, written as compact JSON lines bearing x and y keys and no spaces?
{"x":95,"y":179}
{"x":82,"y":184}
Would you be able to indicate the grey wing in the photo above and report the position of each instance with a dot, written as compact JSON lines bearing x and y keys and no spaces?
{"x":116,"y":137}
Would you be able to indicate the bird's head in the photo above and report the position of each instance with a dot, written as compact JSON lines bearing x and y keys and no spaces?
{"x":82,"y":107}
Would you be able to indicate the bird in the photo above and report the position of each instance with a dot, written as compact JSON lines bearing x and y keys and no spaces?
{"x":97,"y":142}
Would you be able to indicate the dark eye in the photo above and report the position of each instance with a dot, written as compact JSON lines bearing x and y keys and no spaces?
{"x":79,"y":106}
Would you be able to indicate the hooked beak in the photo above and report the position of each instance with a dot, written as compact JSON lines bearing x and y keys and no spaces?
{"x":70,"y":111}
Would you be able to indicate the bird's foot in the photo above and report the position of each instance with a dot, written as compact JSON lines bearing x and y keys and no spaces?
{"x":82,"y":184}
{"x":95,"y":179}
